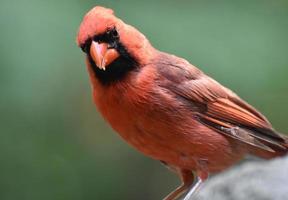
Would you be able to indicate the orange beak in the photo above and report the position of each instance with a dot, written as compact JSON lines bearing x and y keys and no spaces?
{"x":102,"y":55}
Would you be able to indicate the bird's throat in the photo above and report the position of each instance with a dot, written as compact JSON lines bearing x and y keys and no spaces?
{"x":115,"y":71}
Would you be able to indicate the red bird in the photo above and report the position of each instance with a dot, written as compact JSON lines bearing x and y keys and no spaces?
{"x":167,"y":108}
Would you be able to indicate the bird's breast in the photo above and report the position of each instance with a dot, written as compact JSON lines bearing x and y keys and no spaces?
{"x":160,"y":126}
{"x":141,"y":113}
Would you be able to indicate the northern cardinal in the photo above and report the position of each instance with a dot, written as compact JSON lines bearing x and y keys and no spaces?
{"x":167,"y":108}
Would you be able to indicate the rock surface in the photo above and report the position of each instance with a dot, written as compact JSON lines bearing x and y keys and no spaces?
{"x":257,"y":180}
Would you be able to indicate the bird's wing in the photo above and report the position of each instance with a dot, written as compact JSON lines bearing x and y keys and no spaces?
{"x":221,"y":109}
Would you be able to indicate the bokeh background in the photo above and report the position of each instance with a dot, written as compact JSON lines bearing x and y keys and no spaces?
{"x":54,"y":144}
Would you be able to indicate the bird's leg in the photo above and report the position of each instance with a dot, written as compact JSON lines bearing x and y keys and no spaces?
{"x":187,"y":178}
{"x":201,"y":177}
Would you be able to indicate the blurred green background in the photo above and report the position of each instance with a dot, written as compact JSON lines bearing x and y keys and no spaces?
{"x":53,"y":143}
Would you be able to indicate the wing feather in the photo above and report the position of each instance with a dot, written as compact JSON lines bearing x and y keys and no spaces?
{"x":222,"y":110}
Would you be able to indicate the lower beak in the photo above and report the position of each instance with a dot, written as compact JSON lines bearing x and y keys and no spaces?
{"x":102,"y":55}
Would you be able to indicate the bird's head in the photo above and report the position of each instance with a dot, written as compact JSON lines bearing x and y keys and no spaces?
{"x":113,"y":48}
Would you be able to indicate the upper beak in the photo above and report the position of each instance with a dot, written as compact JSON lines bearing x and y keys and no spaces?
{"x":102,"y":55}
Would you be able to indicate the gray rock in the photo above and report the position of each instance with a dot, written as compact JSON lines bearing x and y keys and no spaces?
{"x":258,"y":180}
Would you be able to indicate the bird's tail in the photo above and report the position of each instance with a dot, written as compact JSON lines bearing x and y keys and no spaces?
{"x":277,"y":150}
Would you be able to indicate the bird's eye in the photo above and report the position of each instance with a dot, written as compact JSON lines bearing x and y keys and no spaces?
{"x":85,"y":47}
{"x":113,"y":33}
